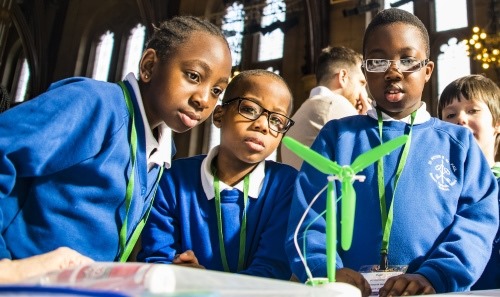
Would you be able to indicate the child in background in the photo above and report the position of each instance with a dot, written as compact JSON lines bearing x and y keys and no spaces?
{"x":473,"y":101}
{"x":228,"y":210}
{"x":80,"y":163}
{"x":421,"y":205}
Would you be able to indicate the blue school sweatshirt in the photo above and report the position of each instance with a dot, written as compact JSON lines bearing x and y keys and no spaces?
{"x":184,"y":219}
{"x":65,"y":160}
{"x":445,"y":204}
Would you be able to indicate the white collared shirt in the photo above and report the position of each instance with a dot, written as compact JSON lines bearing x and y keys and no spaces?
{"x":422,"y":115}
{"x":207,"y":179}
{"x":322,"y":91}
{"x":157,"y":151}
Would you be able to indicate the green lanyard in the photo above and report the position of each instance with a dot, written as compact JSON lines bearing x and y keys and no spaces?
{"x":127,"y":247}
{"x":496,"y":169}
{"x":387,"y":219}
{"x":243,"y":229}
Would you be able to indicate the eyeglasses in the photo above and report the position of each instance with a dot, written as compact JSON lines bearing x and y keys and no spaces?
{"x":252,"y":111}
{"x":404,"y":65}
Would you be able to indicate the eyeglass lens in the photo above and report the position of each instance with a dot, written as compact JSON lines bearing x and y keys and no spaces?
{"x":405,"y":65}
{"x":253,"y":111}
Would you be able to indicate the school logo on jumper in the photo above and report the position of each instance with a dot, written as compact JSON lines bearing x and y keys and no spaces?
{"x":442,"y":172}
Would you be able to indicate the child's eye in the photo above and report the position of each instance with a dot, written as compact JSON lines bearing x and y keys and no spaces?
{"x":249,"y":110}
{"x":474,"y":111}
{"x":217,"y":91}
{"x":276,"y":120}
{"x":449,"y":116}
{"x":193,"y":76}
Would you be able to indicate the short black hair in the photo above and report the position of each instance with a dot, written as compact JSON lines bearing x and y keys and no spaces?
{"x":171,"y":33}
{"x":331,"y":59}
{"x":234,"y":84}
{"x":395,"y":15}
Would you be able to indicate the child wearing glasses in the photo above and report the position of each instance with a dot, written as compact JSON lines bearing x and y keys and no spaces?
{"x":427,"y":213}
{"x":83,"y":159}
{"x":473,"y":101}
{"x":228,"y":210}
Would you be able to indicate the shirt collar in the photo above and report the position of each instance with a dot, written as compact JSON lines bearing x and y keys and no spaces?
{"x":422,"y":115}
{"x":157,"y":151}
{"x":207,"y":179}
{"x":321,"y":91}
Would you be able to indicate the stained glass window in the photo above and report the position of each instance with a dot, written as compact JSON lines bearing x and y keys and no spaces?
{"x":232,"y":26}
{"x":271,"y":43}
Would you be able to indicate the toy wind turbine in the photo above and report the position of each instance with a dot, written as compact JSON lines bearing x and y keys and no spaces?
{"x":346,"y":174}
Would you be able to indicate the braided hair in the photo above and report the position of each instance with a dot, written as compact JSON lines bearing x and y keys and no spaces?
{"x":173,"y":32}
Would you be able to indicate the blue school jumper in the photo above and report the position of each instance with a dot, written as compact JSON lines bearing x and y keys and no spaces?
{"x":184,"y":219}
{"x":490,"y":279}
{"x":65,"y":160}
{"x":445,"y":205}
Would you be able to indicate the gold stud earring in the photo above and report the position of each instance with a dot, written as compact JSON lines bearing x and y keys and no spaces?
{"x":146,"y":76}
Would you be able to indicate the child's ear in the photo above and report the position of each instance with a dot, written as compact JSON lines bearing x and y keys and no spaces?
{"x":146,"y":66}
{"x":428,"y":70}
{"x":217,"y":116}
{"x":497,"y":128}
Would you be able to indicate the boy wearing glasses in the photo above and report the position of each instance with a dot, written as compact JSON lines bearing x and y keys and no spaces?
{"x":427,"y":212}
{"x":228,"y":210}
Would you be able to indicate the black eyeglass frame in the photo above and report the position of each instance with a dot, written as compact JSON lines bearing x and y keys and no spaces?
{"x":421,"y":64}
{"x":289,"y":124}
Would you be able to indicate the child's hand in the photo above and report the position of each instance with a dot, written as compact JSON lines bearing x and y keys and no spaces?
{"x":346,"y":275}
{"x":406,"y":284}
{"x":61,"y":258}
{"x":187,"y":259}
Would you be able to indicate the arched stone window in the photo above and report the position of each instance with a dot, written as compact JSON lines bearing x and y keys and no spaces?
{"x":232,"y":26}
{"x":452,"y":63}
{"x":133,"y":52}
{"x":103,"y":55}
{"x":271,"y":43}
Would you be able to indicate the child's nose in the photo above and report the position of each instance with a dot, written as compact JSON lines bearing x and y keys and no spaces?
{"x":262,"y":122}
{"x":393,"y":72}
{"x":202,"y":98}
{"x":462,"y":119}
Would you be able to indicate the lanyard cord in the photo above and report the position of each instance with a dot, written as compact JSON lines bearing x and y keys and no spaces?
{"x":387,"y":218}
{"x":496,"y":169}
{"x":127,"y":247}
{"x":243,"y":229}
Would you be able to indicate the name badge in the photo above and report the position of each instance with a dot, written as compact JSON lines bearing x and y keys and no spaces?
{"x":376,"y":277}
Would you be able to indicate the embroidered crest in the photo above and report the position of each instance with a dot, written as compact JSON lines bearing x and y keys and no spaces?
{"x":442,"y":172}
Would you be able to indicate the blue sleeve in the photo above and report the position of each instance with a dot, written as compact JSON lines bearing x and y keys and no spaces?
{"x":161,"y":235}
{"x":461,"y":256}
{"x":60,"y":128}
{"x":310,"y":182}
{"x":270,"y":259}
{"x":4,"y":252}
{"x":64,"y":126}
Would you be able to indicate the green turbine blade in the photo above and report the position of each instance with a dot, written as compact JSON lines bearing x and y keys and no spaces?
{"x":366,"y":159}
{"x":348,"y":208}
{"x":310,"y":156}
